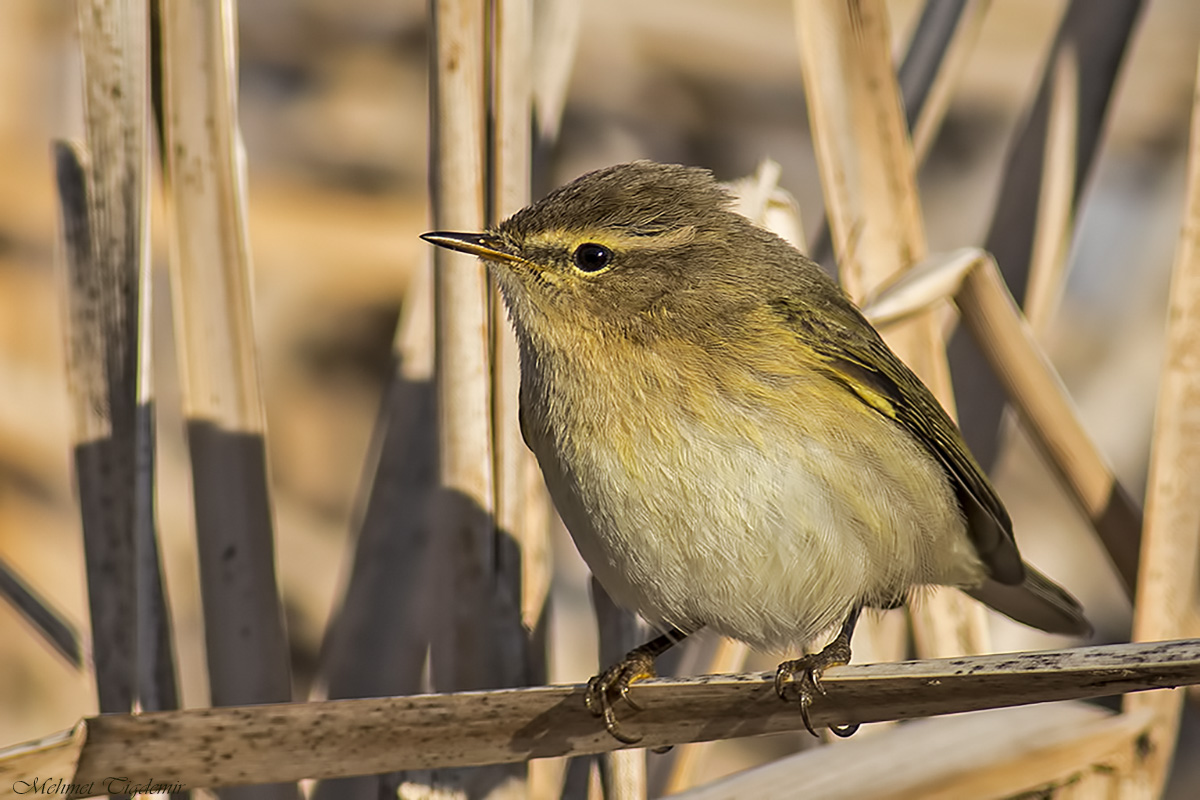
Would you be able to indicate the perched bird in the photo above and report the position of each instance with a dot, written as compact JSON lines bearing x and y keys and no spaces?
{"x":728,"y":440}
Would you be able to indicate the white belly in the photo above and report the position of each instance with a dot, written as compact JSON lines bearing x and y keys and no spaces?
{"x":769,"y":539}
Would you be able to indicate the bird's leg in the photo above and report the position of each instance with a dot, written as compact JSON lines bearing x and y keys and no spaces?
{"x":809,"y":669}
{"x":613,"y":683}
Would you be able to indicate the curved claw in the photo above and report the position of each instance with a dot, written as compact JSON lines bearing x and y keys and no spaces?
{"x":814,"y":675}
{"x":624,"y":691}
{"x":808,"y":685}
{"x":782,"y":674}
{"x":805,"y":702}
{"x":614,"y":728}
{"x":612,"y":685}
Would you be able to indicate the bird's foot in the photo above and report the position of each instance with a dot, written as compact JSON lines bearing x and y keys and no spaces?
{"x":613,"y":684}
{"x":801,"y":680}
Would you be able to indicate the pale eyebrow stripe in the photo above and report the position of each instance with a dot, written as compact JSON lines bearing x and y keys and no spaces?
{"x":612,"y":237}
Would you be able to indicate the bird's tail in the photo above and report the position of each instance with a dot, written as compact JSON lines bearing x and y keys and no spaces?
{"x":1038,"y":602}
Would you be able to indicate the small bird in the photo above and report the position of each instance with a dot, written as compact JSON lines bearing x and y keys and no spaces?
{"x":730,"y":443}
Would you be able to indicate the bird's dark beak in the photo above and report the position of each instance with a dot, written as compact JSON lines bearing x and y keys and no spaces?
{"x":484,"y":245}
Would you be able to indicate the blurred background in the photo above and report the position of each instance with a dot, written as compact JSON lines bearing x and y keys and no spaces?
{"x":334,"y":117}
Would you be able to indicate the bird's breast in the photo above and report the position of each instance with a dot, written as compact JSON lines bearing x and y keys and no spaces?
{"x":764,"y":507}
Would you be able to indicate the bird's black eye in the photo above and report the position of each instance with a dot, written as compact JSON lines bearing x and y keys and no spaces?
{"x":592,"y":257}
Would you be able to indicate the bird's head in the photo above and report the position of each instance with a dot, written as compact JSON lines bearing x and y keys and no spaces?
{"x":642,"y":250}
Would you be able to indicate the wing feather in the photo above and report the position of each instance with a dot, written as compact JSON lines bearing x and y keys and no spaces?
{"x":858,"y":358}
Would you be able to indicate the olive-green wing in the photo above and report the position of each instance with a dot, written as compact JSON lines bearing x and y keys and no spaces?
{"x":860,"y":360}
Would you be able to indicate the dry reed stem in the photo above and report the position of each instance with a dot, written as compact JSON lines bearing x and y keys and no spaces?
{"x":115,"y":41}
{"x":1048,"y":414}
{"x":54,"y":628}
{"x":156,"y":684}
{"x":622,"y":772}
{"x":210,"y":250}
{"x":972,"y":278}
{"x":760,"y":198}
{"x":228,"y":746}
{"x":1028,"y":376}
{"x":926,"y":286}
{"x":623,"y":775}
{"x":246,"y":643}
{"x":460,"y":287}
{"x":995,"y":754}
{"x":56,"y":754}
{"x":462,"y":340}
{"x":87,"y":387}
{"x":522,"y":507}
{"x":413,"y":342}
{"x":377,"y":642}
{"x":869,"y":178}
{"x":1052,"y":232}
{"x":394,"y":525}
{"x":942,"y":40}
{"x":1087,"y":760}
{"x":952,"y":66}
{"x":1099,"y":33}
{"x":729,"y":656}
{"x":556,"y":31}
{"x":86,"y":384}
{"x":1167,"y":581}
{"x":862,"y":148}
{"x":103,"y":274}
{"x":522,"y":504}
{"x":479,"y":646}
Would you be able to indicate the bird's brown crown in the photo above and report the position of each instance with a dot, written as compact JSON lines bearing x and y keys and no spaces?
{"x":641,"y":198}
